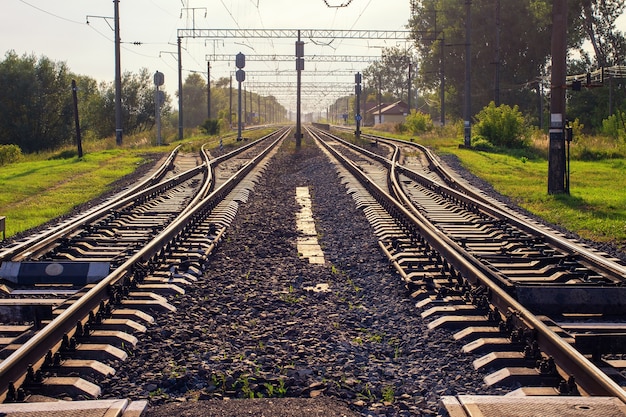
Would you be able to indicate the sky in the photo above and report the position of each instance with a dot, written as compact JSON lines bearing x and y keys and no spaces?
{"x":59,"y":31}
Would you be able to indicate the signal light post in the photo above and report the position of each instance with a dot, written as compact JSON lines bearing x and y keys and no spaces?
{"x":357,"y":116}
{"x":240,"y":62}
{"x":299,"y":69}
{"x":159,"y":98}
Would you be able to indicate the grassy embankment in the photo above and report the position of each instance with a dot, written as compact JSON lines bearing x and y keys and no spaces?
{"x":596,"y":206}
{"x":40,"y":188}
{"x":44,"y":186}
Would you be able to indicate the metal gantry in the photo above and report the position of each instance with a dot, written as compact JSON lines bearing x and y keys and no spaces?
{"x":299,"y":34}
{"x":293,"y":34}
{"x":290,"y":58}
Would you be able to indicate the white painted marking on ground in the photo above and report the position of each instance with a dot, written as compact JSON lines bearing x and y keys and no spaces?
{"x":308,"y":244}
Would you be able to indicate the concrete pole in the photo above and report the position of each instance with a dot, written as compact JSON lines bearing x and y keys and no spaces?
{"x":556,"y":156}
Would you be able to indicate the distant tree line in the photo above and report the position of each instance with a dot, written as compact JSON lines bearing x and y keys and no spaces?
{"x":512,"y":38}
{"x":36,"y":105}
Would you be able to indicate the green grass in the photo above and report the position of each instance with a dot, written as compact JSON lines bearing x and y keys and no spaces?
{"x":595,"y":208}
{"x":39,"y":189}
{"x":34,"y":192}
{"x":43,"y":186}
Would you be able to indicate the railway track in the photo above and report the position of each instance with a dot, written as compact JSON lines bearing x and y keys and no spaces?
{"x":537,"y":310}
{"x":79,"y":292}
{"x":452,"y":280}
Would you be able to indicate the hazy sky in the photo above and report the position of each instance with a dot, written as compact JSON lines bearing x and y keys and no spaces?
{"x":59,"y":31}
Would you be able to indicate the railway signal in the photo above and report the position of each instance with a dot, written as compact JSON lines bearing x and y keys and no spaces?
{"x":299,"y":69}
{"x":240,"y":75}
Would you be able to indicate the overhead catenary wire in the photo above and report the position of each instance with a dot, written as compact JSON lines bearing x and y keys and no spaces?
{"x":50,"y":13}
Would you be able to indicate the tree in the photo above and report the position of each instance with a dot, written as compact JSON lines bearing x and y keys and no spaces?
{"x":194,"y":100}
{"x":598,"y":21}
{"x":36,"y":102}
{"x":138,"y":105}
{"x":521,"y":30}
{"x":391,"y":72}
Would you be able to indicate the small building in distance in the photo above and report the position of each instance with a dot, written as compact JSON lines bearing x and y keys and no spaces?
{"x":388,"y":113}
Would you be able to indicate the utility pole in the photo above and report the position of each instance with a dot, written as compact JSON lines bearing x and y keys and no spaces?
{"x":208,"y":89}
{"x":467,"y":131}
{"x":357,"y":93}
{"x":409,"y":87}
{"x":442,"y":82}
{"x":497,"y":61}
{"x":380,"y":98}
{"x":230,"y":103}
{"x":556,"y":155}
{"x":118,"y":75}
{"x":79,"y":142}
{"x":159,"y":80}
{"x":180,"y":91}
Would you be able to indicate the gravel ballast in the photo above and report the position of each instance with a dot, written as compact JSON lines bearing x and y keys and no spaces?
{"x":251,"y":327}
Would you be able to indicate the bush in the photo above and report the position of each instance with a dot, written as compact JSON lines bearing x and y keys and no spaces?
{"x":65,"y":154}
{"x":210,"y":126}
{"x":400,"y":128}
{"x":482,"y":144}
{"x":418,"y":122}
{"x":9,"y":154}
{"x":502,"y":126}
{"x":614,"y":126}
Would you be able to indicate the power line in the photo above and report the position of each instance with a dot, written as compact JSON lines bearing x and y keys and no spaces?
{"x":51,"y":14}
{"x":230,"y":14}
{"x":346,"y":4}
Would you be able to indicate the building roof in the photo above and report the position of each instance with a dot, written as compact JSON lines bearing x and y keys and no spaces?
{"x":397,"y":108}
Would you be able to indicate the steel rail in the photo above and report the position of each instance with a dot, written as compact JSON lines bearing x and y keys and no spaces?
{"x":53,"y":233}
{"x":458,"y":191}
{"x":470,"y":196}
{"x":209,"y":184}
{"x":589,"y":376}
{"x":94,"y":215}
{"x":13,"y":369}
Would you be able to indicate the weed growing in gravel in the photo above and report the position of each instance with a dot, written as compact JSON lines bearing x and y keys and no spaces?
{"x":375,"y":338}
{"x":219,"y":381}
{"x":177,"y":371}
{"x":388,"y":394}
{"x":371,"y":336}
{"x":289,"y":297}
{"x":355,"y":287}
{"x":278,"y":390}
{"x":366,"y":393}
{"x":157,"y":393}
{"x":269,"y":388}
{"x":244,"y":380}
{"x":352,"y":306}
{"x":397,"y":351}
